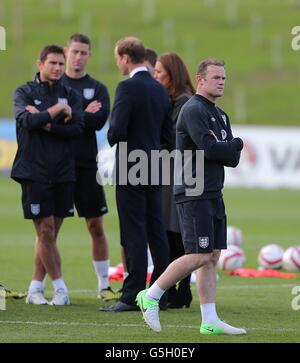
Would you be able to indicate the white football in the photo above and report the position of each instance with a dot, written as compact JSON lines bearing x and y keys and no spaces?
{"x":232,"y":258}
{"x":291,"y":259}
{"x":234,"y":236}
{"x":270,"y":256}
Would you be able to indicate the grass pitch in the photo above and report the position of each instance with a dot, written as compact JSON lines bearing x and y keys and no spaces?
{"x":262,"y":305}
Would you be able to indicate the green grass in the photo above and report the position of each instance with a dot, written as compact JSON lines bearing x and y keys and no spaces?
{"x":262,"y":305}
{"x":197,"y":30}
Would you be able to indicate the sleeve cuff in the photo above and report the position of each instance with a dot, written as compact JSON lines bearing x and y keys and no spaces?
{"x":42,"y":118}
{"x":238,"y":143}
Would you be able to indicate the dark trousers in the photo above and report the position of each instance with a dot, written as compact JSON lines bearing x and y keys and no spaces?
{"x":177,"y":250}
{"x":140,"y":217}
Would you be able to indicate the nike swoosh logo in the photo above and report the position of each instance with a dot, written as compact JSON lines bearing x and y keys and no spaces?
{"x":142,"y":306}
{"x":210,"y":329}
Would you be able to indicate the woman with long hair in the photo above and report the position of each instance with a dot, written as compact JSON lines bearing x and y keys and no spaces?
{"x":171,"y":71}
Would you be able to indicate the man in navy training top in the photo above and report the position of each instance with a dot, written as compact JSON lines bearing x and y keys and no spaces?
{"x":89,"y":195}
{"x":201,"y":126}
{"x":48,"y":119}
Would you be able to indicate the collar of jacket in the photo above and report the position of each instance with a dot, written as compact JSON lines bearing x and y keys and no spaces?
{"x":45,"y":84}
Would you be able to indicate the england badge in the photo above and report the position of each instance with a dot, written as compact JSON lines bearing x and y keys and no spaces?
{"x":88,"y":93}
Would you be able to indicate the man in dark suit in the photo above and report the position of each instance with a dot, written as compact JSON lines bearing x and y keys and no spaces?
{"x":139,"y":123}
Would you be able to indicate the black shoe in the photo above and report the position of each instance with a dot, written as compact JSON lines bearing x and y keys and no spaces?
{"x":172,"y":292}
{"x":119,"y":307}
{"x":182,"y":298}
{"x":163,"y":306}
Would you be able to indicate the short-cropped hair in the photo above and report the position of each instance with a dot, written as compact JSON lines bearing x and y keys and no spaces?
{"x":133,"y":47}
{"x":80,"y":38}
{"x":202,"y":67}
{"x":49,"y":49}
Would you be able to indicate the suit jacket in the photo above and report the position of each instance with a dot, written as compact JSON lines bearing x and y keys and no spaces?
{"x":139,"y":117}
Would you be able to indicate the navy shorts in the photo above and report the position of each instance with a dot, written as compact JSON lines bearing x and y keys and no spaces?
{"x":89,"y":196}
{"x":44,"y":200}
{"x":203,"y":225}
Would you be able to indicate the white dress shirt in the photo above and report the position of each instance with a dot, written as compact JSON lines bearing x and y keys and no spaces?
{"x":137,"y":69}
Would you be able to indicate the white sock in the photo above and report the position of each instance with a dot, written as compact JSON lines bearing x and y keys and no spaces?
{"x":101,"y":269}
{"x":59,"y":284}
{"x":155,"y":292}
{"x":35,"y":285}
{"x":208,"y":313}
{"x":125,"y":274}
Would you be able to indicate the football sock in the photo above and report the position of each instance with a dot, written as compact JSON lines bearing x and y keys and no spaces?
{"x":101,"y":269}
{"x":155,"y":292}
{"x":208,"y":313}
{"x":59,"y":284}
{"x":35,"y":285}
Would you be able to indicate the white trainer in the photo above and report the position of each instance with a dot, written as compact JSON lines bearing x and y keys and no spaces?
{"x":150,"y":310}
{"x":60,"y":297}
{"x":36,"y":298}
{"x":220,"y":327}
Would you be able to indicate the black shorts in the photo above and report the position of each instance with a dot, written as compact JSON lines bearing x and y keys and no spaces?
{"x":89,"y":196}
{"x":203,"y":225}
{"x":45,"y":200}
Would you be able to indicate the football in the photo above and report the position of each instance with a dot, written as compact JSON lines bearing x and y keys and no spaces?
{"x":232,"y":258}
{"x":291,"y":259}
{"x":270,"y":256}
{"x":234,"y":236}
